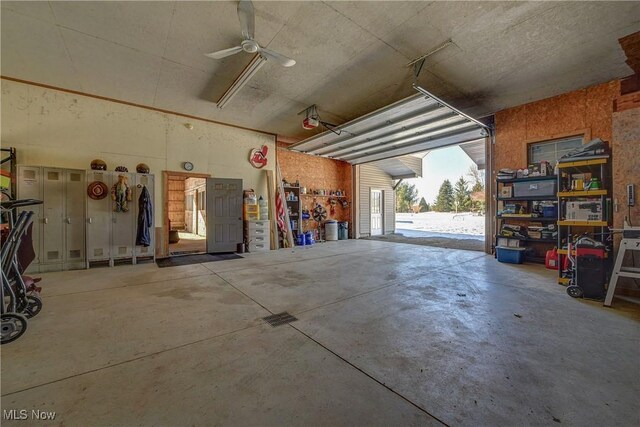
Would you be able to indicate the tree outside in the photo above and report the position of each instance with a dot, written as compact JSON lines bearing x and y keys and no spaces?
{"x":423,"y":205}
{"x":462,"y":199}
{"x":406,"y":197}
{"x":445,"y":199}
{"x":477,"y":188}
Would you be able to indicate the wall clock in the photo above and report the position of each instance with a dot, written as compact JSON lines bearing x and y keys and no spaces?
{"x":188,"y":166}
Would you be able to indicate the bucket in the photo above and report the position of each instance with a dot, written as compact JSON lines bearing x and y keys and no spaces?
{"x":331,"y":230}
{"x":309,"y":238}
{"x":302,"y":239}
{"x":343,"y":230}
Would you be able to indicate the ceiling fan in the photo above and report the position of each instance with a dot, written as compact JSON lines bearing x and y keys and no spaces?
{"x":249,"y":45}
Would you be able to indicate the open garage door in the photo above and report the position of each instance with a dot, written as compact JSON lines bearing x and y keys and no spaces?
{"x":419,"y":123}
{"x":388,"y":144}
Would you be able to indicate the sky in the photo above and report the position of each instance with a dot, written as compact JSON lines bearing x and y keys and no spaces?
{"x":446,"y":163}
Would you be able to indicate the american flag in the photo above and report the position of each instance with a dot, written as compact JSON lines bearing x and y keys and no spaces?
{"x":280,"y":213}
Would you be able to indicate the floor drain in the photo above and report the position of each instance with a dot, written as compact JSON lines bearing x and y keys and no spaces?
{"x":279,"y":319}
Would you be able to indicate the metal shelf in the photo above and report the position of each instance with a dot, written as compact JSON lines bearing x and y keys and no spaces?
{"x":526,"y":239}
{"x":579,"y":163}
{"x":584,"y":223}
{"x":324,"y":195}
{"x":527,"y":218}
{"x":534,"y":178}
{"x":585,"y":193}
{"x":533,"y":199}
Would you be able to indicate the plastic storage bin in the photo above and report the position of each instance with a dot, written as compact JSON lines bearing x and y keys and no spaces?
{"x":550,"y":211}
{"x":510,"y":255}
{"x":535,"y":188}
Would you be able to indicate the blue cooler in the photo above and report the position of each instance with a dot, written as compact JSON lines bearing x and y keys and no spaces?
{"x":302,"y":240}
{"x":510,"y":255}
{"x":309,"y":238}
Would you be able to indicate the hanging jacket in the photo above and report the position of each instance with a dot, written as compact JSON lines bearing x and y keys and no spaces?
{"x":145,"y":218}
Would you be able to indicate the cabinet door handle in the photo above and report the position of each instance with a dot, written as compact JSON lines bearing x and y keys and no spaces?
{"x":46,"y":220}
{"x":90,"y":220}
{"x":68,"y":220}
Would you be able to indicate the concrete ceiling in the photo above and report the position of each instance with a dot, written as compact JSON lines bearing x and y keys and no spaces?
{"x":351,"y":55}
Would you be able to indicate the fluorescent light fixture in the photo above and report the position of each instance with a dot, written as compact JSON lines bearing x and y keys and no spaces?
{"x":242,"y":80}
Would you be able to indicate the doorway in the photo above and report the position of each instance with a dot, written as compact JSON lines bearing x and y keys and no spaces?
{"x":376,"y":212}
{"x":185,"y":213}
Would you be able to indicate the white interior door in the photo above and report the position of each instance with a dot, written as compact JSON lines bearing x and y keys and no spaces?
{"x":376,"y":212}
{"x":224,"y":214}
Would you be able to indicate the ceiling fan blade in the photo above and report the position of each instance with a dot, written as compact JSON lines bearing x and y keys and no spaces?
{"x":278,"y":57}
{"x":224,"y":53}
{"x":247,"y":18}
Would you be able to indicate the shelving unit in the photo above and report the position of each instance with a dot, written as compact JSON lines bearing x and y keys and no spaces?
{"x":537,"y":246}
{"x":595,"y":167}
{"x":292,"y":198}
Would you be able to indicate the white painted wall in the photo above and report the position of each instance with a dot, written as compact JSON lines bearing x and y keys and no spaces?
{"x":54,"y":128}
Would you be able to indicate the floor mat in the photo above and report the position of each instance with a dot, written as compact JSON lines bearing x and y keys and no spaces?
{"x":172,"y":253}
{"x":194,"y":259}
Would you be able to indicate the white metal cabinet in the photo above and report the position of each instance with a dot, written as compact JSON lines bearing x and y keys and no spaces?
{"x":53,"y":211}
{"x":74,"y":218}
{"x":58,"y":230}
{"x":111,"y":235}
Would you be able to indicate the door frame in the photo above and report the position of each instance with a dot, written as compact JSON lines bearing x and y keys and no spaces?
{"x":382,"y":215}
{"x":165,"y":203}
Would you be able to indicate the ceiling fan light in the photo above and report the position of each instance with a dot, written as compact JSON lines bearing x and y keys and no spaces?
{"x":256,"y":63}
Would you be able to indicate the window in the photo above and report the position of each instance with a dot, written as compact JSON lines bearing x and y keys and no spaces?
{"x":202,"y":200}
{"x":552,"y":151}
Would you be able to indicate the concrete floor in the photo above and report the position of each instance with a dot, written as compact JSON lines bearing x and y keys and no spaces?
{"x":189,"y":242}
{"x":388,"y":334}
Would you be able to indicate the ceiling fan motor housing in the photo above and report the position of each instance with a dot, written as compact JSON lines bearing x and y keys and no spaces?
{"x":250,"y":46}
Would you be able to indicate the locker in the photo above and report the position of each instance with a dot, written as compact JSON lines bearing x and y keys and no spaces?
{"x":143,"y":180}
{"x":98,"y":228}
{"x":58,"y":230}
{"x":74,"y":211}
{"x":53,"y":226}
{"x":29,"y":186}
{"x":123,"y":223}
{"x":111,"y":235}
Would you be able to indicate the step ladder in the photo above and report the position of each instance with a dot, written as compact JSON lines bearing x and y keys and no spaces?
{"x":621,"y":271}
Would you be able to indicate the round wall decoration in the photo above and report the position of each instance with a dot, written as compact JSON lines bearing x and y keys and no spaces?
{"x":258,"y":157}
{"x":142,"y":168}
{"x":188,"y":166}
{"x":121,"y":169}
{"x":97,"y":190}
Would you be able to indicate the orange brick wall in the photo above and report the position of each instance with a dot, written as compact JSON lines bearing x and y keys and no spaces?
{"x":589,"y":110}
{"x":315,"y":172}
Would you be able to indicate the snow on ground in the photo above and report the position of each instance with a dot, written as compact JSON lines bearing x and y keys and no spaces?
{"x":466,"y":223}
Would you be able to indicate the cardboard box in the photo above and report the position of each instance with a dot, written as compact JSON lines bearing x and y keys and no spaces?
{"x":506,"y":191}
{"x":589,"y":210}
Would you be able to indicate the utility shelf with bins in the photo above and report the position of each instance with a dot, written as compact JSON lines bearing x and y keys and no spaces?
{"x":584,"y":197}
{"x":521,"y":215}
{"x":292,"y":198}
